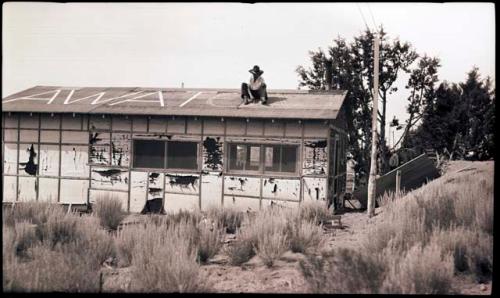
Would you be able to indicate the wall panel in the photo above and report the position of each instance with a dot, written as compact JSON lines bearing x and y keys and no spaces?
{"x":74,"y":191}
{"x":74,"y":161}
{"x":49,"y":160}
{"x":48,"y":189}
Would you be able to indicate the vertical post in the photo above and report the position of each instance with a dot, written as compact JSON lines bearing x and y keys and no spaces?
{"x":373,"y":159}
{"x":398,"y":181}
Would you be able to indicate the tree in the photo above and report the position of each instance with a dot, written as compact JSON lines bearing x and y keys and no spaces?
{"x":422,"y":85}
{"x":349,"y":66}
{"x":459,"y":121}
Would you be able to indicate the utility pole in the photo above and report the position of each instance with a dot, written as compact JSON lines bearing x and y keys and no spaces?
{"x":373,"y":160}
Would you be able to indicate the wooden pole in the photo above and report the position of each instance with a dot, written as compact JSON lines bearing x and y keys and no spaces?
{"x":398,"y":182}
{"x":373,"y":160}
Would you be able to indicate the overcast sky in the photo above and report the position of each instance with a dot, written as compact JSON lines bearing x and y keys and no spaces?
{"x":214,"y":45}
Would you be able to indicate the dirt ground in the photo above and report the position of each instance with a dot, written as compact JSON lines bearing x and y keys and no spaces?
{"x":285,"y":276}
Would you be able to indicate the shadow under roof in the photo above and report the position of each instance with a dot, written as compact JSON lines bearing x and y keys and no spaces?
{"x":292,"y":104}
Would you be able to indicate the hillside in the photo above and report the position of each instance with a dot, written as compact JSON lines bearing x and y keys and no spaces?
{"x":286,"y":276}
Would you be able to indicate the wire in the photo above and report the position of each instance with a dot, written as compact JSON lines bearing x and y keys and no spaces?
{"x":373,"y":19}
{"x":359,"y":9}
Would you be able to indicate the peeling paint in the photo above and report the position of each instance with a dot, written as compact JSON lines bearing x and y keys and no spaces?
{"x":315,"y":157}
{"x":153,"y":206}
{"x":212,"y":148}
{"x":183,"y":181}
{"x":111,"y":176}
{"x":30,"y":167}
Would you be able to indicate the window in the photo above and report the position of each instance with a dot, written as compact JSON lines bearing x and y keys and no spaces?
{"x":161,"y":154}
{"x":149,"y":154}
{"x":182,"y":155}
{"x":268,"y":158}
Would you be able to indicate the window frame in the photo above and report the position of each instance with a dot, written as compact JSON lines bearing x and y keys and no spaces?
{"x":262,"y":162}
{"x":165,"y":161}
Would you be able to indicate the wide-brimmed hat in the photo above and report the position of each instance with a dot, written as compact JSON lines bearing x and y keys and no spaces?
{"x":256,"y":70}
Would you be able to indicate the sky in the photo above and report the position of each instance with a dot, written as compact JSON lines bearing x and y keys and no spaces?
{"x":213,"y":45}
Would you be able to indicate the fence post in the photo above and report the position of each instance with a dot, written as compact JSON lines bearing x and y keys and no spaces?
{"x":100,"y":282}
{"x":398,"y":181}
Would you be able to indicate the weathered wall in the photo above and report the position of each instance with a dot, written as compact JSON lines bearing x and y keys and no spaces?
{"x":78,"y":159}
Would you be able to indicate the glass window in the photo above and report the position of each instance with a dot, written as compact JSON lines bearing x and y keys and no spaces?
{"x":182,"y":155}
{"x":273,"y":158}
{"x":149,"y":154}
{"x":244,"y":157}
{"x":288,"y":159}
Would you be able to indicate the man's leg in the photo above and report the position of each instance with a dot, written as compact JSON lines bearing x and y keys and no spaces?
{"x":244,"y":93}
{"x":255,"y":94}
{"x":263,"y":94}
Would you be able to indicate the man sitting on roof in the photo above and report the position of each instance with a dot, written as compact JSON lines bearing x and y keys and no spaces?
{"x":256,"y":87}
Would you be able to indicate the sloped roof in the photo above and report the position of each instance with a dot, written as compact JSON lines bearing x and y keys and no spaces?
{"x":295,"y":104}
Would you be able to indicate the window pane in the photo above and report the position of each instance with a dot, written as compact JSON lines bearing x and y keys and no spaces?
{"x":289,"y":158}
{"x":253,"y":158}
{"x":182,"y":155}
{"x":149,"y":154}
{"x":237,"y":157}
{"x":272,"y":158}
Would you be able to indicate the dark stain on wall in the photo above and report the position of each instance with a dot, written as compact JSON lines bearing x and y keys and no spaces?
{"x":153,"y":177}
{"x":316,"y":144}
{"x":93,"y":138}
{"x":153,"y":206}
{"x":116,"y":154}
{"x":114,"y":175}
{"x":154,"y":191}
{"x":157,"y":135}
{"x":98,"y":155}
{"x":30,"y":167}
{"x":214,"y":153}
{"x":275,"y":189}
{"x":183,"y":181}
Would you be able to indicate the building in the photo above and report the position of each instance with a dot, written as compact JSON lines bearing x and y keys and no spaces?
{"x":173,"y":148}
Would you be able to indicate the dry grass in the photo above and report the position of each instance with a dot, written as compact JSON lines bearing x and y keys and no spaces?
{"x":64,"y":254}
{"x":314,"y":211}
{"x":34,"y":212}
{"x":421,"y":241}
{"x":228,"y":218}
{"x":210,"y":241}
{"x":303,"y":235}
{"x":109,"y":211}
{"x":164,"y":260}
{"x":242,"y":250}
{"x":269,"y":229}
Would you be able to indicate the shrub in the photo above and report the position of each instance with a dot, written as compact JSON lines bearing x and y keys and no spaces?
{"x":472,"y":250}
{"x":228,"y":218}
{"x":242,"y":250}
{"x":67,"y":260}
{"x":125,"y":242}
{"x":109,"y":211}
{"x":315,"y":211}
{"x":210,"y":241}
{"x":270,"y":230}
{"x":422,"y":270}
{"x":25,"y":238}
{"x":59,"y":230}
{"x":303,"y":235}
{"x":51,"y":271}
{"x":34,"y":212}
{"x":164,"y":261}
{"x":361,"y":272}
{"x":190,"y":217}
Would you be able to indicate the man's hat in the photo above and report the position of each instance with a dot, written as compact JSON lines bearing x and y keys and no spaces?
{"x":256,"y":70}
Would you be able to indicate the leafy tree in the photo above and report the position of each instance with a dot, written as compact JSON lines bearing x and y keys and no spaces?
{"x":349,"y":66}
{"x":422,"y":85}
{"x":459,"y":122}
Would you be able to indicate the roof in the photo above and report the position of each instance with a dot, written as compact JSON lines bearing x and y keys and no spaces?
{"x":295,"y":104}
